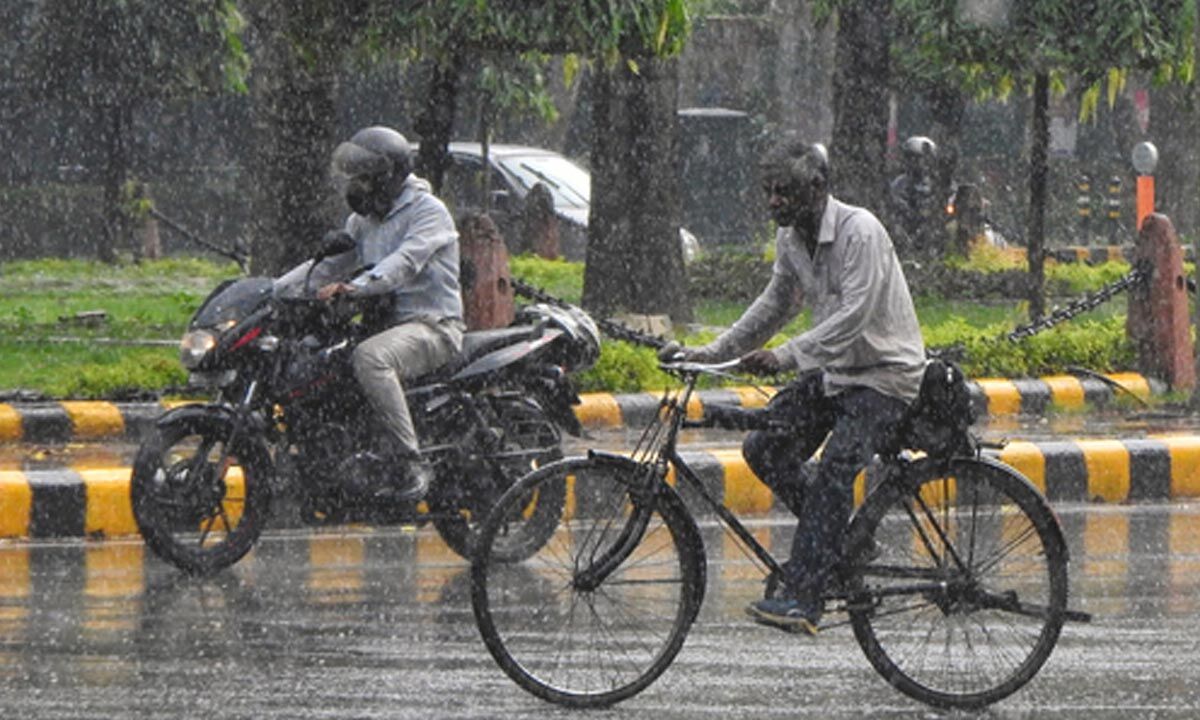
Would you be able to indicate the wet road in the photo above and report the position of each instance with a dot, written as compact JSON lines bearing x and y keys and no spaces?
{"x":362,"y":623}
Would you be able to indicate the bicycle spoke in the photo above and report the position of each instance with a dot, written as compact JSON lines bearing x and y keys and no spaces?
{"x":992,"y":607}
{"x":601,"y":610}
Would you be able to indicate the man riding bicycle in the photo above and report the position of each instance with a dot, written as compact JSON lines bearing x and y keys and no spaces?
{"x":859,"y":366}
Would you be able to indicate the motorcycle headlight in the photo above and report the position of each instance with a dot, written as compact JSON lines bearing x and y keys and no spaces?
{"x":194,"y":346}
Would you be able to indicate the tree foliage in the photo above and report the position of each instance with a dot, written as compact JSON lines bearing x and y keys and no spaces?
{"x":117,"y":53}
{"x":1094,"y":42}
{"x":1045,"y":44}
{"x":110,"y":58}
{"x":498,"y":41}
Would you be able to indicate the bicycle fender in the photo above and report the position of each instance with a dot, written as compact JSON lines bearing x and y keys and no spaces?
{"x":666,"y":493}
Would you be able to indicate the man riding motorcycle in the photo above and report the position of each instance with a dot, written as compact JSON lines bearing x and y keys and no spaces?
{"x":406,"y":248}
{"x":913,"y":200}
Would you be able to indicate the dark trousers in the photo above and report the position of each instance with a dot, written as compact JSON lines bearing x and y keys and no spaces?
{"x":853,"y":424}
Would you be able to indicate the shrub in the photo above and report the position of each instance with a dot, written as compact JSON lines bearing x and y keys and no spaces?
{"x":623,"y":368}
{"x":560,"y":278}
{"x":728,"y":274}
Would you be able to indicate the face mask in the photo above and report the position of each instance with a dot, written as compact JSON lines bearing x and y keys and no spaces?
{"x":365,"y":198}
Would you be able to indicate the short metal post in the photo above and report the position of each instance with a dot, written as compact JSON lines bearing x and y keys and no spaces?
{"x":1157,"y":321}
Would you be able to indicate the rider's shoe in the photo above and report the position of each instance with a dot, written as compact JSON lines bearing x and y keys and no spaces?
{"x":410,"y":477}
{"x":786,"y":614}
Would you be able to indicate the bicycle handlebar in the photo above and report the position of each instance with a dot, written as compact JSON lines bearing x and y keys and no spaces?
{"x":698,"y":368}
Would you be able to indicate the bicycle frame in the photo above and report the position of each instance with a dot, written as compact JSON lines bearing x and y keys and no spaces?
{"x":675,"y":403}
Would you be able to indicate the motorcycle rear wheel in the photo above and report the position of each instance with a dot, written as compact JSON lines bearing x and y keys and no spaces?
{"x":532,"y":440}
{"x":199,"y":501}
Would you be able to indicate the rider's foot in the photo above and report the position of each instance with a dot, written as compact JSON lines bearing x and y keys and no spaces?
{"x":410,"y":477}
{"x":786,"y":614}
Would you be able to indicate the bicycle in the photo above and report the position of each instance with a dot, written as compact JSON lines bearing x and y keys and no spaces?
{"x":953,"y":576}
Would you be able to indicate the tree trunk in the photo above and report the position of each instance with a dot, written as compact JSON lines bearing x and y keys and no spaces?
{"x":114,"y":127}
{"x":948,"y":104}
{"x":860,"y":104}
{"x":1038,"y":172}
{"x":1172,"y":125}
{"x":436,"y":122}
{"x":634,"y":256}
{"x":294,"y":120}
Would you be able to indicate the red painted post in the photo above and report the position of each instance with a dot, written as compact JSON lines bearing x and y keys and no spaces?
{"x":1145,"y":197}
{"x":1157,"y":322}
{"x":487,"y":283}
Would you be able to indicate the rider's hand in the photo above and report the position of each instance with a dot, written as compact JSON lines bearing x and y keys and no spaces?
{"x":332,"y":290}
{"x":671,"y":352}
{"x":674,"y":352}
{"x":760,"y":362}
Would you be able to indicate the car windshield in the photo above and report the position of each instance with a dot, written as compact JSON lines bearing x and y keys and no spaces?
{"x":570,"y":184}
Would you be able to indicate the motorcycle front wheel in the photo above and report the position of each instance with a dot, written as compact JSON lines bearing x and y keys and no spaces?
{"x":529,"y":440}
{"x":200,"y":499}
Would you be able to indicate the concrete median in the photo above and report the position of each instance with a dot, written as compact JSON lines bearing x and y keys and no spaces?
{"x":69,"y":421}
{"x":93,"y":502}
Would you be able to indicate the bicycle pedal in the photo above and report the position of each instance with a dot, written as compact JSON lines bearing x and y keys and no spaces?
{"x":797,"y":629}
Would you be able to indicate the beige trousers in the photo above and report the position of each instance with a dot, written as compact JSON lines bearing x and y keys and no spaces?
{"x":386,"y":359}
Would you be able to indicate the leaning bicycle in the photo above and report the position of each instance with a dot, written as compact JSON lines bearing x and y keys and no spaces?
{"x":953,"y":577}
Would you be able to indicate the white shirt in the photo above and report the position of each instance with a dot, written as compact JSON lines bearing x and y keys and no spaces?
{"x":864,"y":328}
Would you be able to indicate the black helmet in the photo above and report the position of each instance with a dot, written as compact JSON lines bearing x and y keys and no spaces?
{"x":372,"y":165}
{"x":375,"y":150}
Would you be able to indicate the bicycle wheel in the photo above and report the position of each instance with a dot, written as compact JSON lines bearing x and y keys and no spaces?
{"x":601,"y":610}
{"x":959,"y":586}
{"x":198,"y":503}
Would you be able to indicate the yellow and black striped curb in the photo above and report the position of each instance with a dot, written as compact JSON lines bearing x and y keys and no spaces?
{"x":94,"y":502}
{"x":991,"y":397}
{"x":56,"y":422}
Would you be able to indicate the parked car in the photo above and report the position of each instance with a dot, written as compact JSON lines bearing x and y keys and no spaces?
{"x":515,"y":169}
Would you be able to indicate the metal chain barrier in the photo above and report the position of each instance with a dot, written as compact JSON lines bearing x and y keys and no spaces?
{"x":611,"y":328}
{"x":1088,"y":302}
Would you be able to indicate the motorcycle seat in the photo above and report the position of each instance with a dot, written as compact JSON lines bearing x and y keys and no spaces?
{"x":480,"y":342}
{"x":476,"y":344}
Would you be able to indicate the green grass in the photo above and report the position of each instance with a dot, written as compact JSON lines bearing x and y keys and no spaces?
{"x":74,"y":370}
{"x":153,"y":300}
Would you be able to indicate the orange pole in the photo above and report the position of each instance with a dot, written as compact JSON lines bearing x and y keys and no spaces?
{"x":1145,"y":198}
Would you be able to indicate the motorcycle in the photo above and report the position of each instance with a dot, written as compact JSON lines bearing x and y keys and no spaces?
{"x":289,"y":420}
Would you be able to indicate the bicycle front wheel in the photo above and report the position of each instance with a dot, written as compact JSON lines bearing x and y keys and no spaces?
{"x":958,"y":582}
{"x":600,"y":611}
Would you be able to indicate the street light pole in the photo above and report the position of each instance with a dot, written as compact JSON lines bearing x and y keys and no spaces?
{"x":1145,"y":159}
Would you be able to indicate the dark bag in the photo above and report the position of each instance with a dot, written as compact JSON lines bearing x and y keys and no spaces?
{"x":939,"y":420}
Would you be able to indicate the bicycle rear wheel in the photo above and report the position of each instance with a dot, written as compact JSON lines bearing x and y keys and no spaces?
{"x":959,"y":586}
{"x":600,"y":611}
